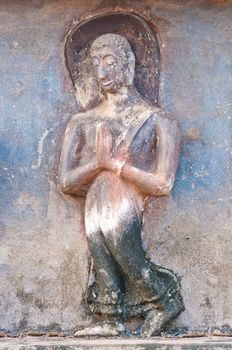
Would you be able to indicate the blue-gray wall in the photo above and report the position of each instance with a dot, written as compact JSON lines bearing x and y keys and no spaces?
{"x":43,"y":251}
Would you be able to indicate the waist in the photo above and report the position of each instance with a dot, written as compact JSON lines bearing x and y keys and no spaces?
{"x":109,"y":187}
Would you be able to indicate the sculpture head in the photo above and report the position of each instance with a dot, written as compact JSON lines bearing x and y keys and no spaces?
{"x":113,"y":62}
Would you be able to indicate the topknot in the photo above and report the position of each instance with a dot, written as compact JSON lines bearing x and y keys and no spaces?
{"x":112,"y":39}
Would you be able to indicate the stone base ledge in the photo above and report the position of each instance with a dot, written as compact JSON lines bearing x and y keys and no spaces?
{"x":40,"y":343}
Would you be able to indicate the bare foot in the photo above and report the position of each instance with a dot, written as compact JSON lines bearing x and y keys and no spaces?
{"x":156,"y":319}
{"x":154,"y":322}
{"x":101,"y":330}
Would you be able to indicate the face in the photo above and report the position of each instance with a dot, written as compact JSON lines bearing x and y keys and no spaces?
{"x":108,"y":68}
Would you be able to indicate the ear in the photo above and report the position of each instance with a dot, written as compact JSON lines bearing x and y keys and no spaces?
{"x":131,"y":67}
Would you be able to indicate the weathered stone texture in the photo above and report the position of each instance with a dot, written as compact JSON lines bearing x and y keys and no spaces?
{"x":158,"y":344}
{"x":43,"y":251}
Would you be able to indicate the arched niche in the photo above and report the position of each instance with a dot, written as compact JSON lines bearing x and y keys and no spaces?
{"x":144,"y":44}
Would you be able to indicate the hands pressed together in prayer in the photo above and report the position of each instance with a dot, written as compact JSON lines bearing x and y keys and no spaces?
{"x":105,"y":150}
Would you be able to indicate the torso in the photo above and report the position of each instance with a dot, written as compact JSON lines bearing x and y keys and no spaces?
{"x":133,"y":129}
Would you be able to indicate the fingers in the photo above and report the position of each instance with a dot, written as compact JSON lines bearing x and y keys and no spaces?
{"x":104,"y":131}
{"x":104,"y":145}
{"x":104,"y":137}
{"x":98,"y":137}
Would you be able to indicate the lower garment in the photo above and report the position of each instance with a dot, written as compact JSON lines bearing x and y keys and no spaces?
{"x":126,"y":283}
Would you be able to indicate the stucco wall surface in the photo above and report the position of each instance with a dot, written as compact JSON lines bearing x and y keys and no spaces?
{"x":43,"y":250}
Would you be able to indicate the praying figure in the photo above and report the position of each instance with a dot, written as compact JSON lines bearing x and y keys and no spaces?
{"x":116,"y":155}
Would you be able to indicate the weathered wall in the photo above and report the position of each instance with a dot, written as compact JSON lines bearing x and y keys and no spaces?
{"x":43,"y":252}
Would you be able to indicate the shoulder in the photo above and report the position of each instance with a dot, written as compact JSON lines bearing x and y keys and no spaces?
{"x":79,"y":118}
{"x":79,"y":121}
{"x":160,"y":117}
{"x":151,"y":117}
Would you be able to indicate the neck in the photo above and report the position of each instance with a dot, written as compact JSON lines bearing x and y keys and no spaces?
{"x":118,"y":97}
{"x":123,"y":96}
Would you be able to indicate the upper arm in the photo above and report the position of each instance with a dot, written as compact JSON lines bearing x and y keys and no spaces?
{"x":168,"y":146}
{"x":142,"y":149}
{"x":70,"y":147}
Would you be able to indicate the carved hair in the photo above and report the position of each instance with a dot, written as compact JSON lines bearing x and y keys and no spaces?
{"x":111,"y":39}
{"x":121,"y":44}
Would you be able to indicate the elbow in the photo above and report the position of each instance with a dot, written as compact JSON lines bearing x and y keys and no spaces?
{"x":167,"y":185}
{"x":63,"y":186}
{"x":161,"y":191}
{"x":67,"y":187}
{"x":163,"y":187}
{"x":64,"y":189}
{"x":165,"y":190}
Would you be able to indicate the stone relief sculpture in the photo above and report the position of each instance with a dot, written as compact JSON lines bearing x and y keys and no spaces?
{"x":116,"y":155}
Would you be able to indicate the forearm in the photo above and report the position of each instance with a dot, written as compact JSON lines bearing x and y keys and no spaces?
{"x":149,"y":184}
{"x":72,"y":181}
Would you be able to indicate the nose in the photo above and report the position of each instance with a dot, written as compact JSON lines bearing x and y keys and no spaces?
{"x":102,"y":72}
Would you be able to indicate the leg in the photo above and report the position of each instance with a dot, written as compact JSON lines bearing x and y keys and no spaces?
{"x":148,"y":283}
{"x":156,"y":319}
{"x":109,"y":286}
{"x":125,"y":244}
